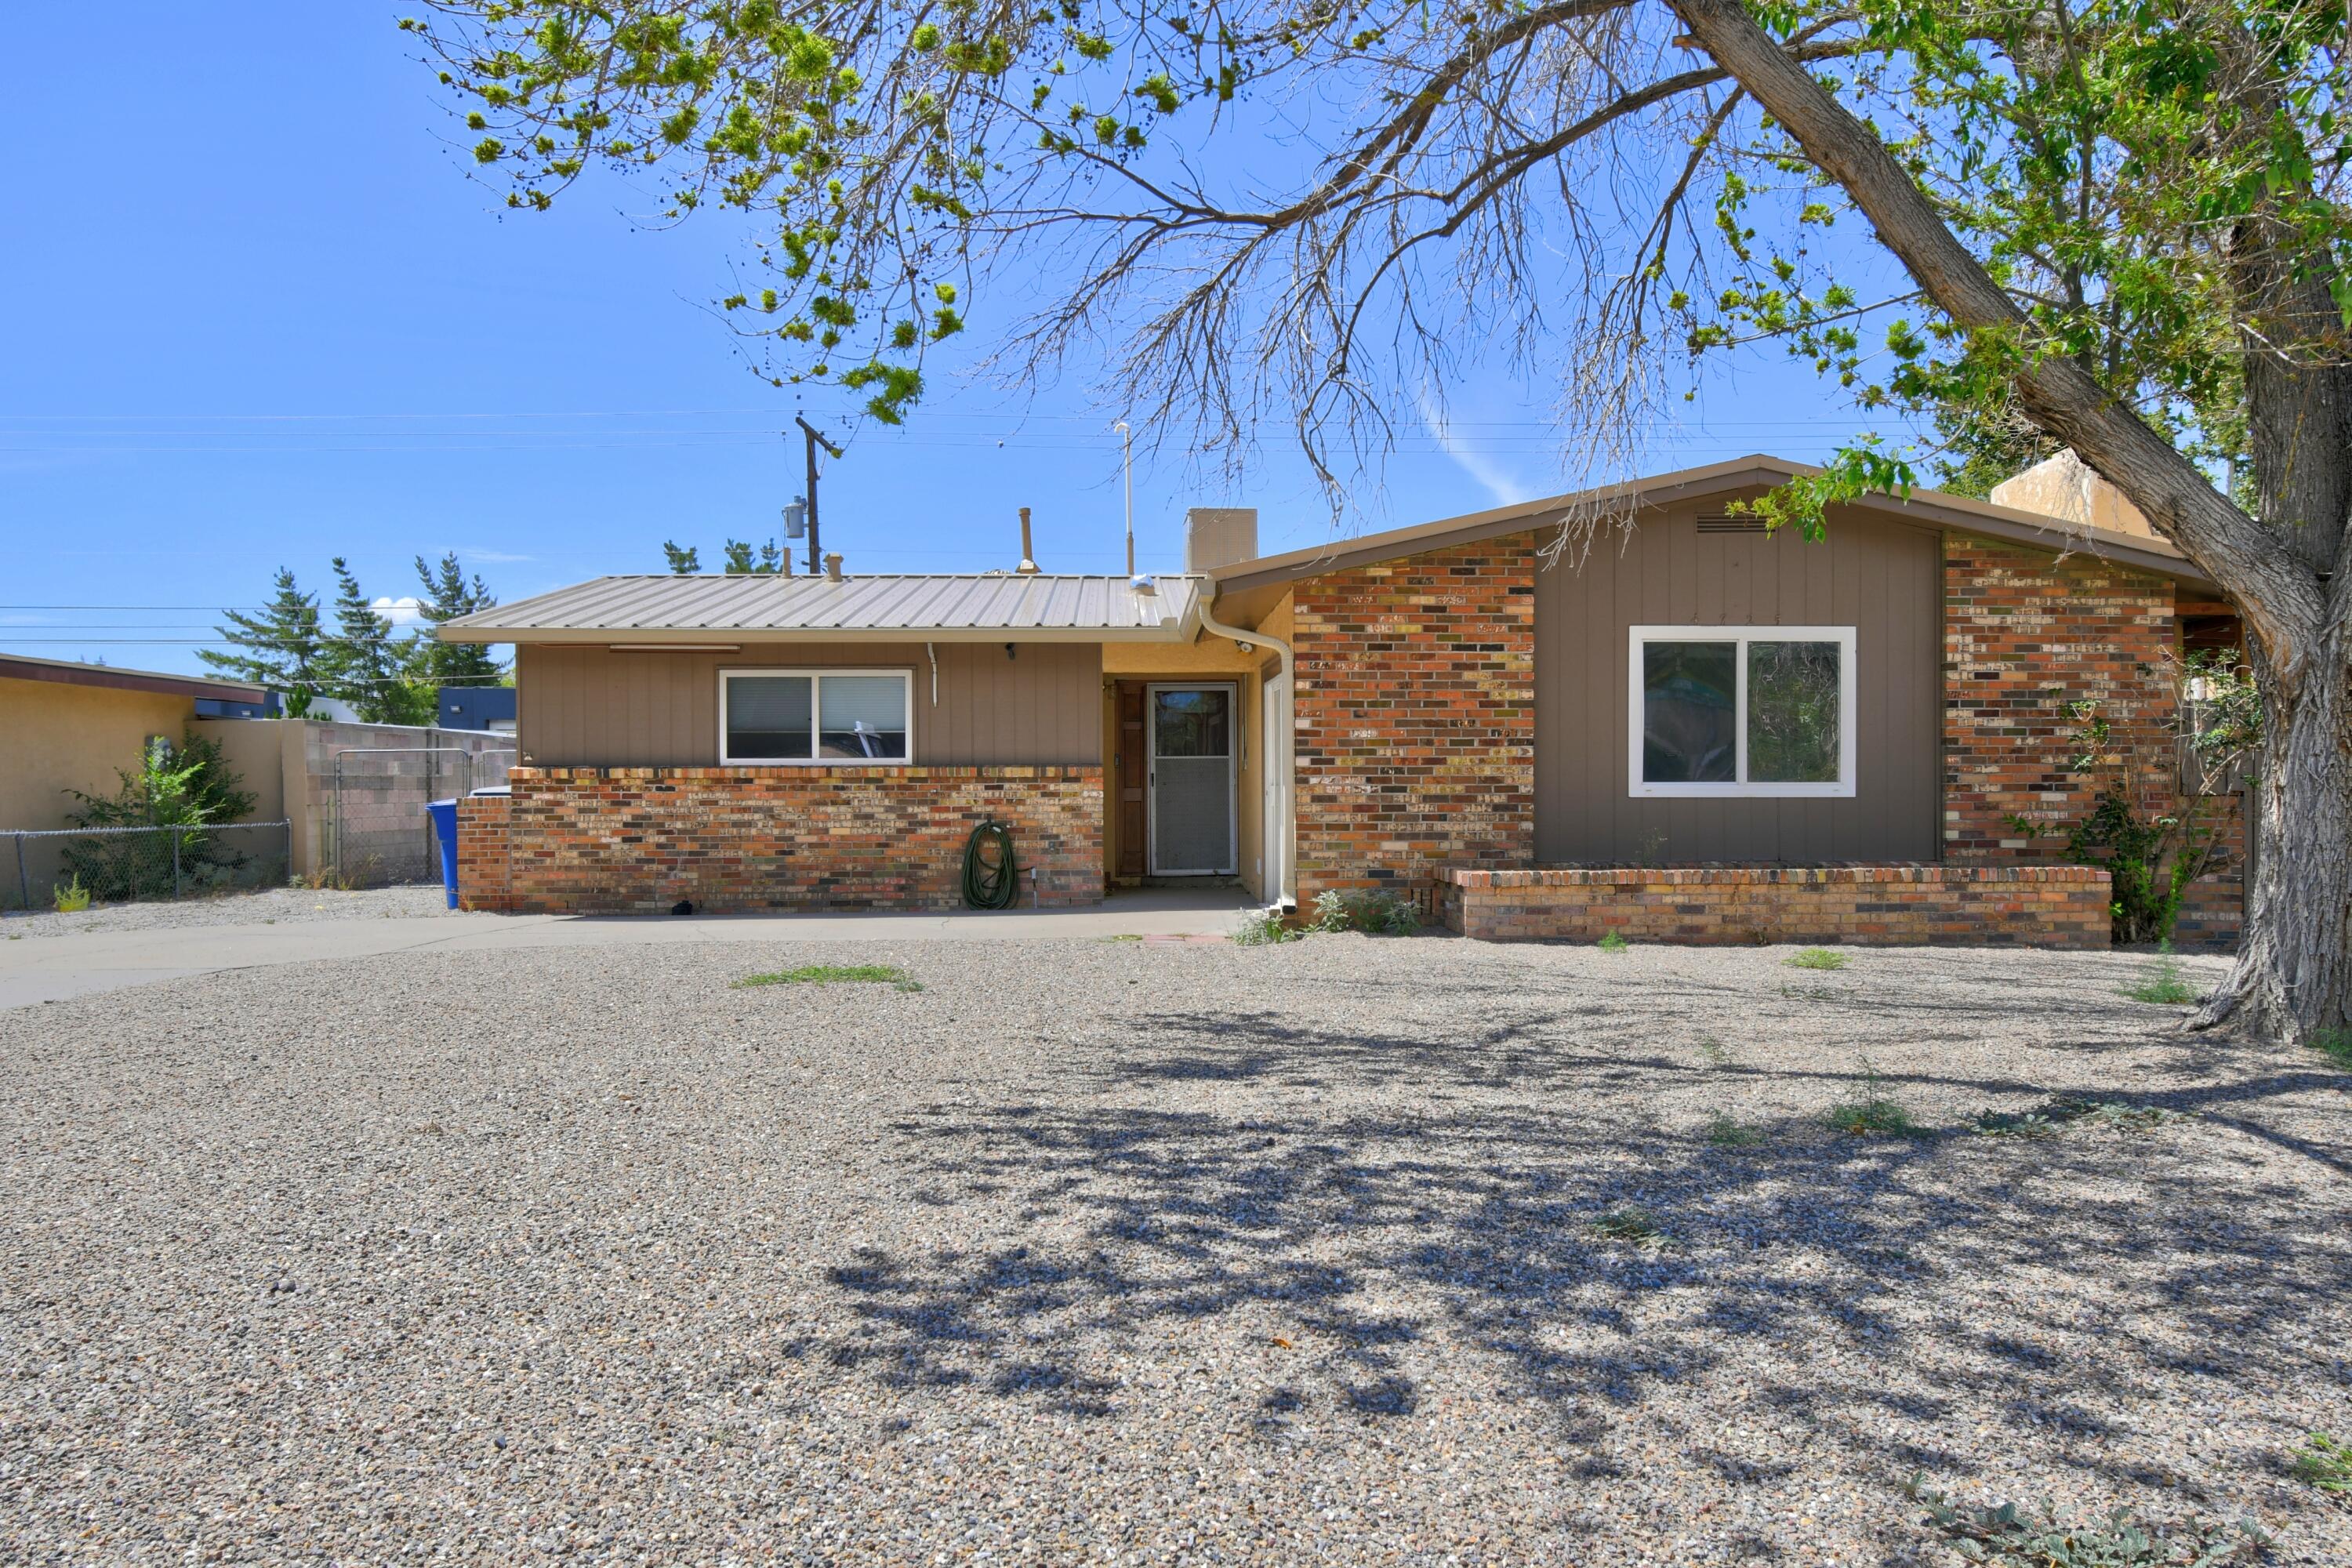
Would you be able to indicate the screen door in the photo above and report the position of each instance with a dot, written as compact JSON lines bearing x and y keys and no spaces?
{"x":1191,"y":785}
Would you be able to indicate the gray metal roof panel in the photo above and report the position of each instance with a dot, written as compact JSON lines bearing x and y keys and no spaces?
{"x":753,"y":605}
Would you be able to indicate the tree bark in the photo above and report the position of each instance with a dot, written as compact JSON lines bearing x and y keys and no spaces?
{"x":2289,"y":576}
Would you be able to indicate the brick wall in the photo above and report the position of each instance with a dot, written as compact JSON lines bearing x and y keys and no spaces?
{"x":2036,"y":906}
{"x":1416,"y":708}
{"x":2025,"y":635}
{"x":636,"y":840}
{"x":482,"y":852}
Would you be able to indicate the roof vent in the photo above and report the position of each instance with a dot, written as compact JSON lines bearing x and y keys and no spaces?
{"x":832,"y":566}
{"x":1028,"y":567}
{"x":1144,"y":584}
{"x":1731,"y":522}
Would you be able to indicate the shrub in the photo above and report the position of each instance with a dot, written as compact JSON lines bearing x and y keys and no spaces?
{"x":1377,"y":912}
{"x":1817,"y":958}
{"x":1875,"y":1112}
{"x":185,"y":787}
{"x":71,"y":897}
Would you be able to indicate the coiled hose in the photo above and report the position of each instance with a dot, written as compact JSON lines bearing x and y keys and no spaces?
{"x":990,"y":884}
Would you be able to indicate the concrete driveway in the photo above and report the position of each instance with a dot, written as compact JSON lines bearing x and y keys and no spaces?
{"x":53,"y":967}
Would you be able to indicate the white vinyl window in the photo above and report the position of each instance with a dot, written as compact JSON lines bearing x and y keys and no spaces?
{"x":814,"y":718}
{"x":1742,"y":711}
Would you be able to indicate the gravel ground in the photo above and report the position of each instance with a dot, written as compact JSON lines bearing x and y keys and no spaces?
{"x":282,"y":905}
{"x":1161,"y":1253}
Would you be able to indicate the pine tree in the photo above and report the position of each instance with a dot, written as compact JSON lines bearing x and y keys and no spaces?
{"x":281,"y":648}
{"x":363,"y":665}
{"x":448,"y":596}
{"x":684,"y":561}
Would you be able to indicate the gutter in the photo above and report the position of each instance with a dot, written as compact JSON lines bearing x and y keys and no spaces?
{"x":1284,"y":885}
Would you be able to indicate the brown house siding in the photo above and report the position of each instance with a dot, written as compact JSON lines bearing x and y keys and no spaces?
{"x":1874,"y":575}
{"x":593,"y":707}
{"x":1415,"y":723}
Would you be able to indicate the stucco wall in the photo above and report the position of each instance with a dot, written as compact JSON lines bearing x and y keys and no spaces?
{"x":56,"y":737}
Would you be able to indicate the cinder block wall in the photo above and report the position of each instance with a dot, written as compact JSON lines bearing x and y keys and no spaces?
{"x":1415,"y":708}
{"x":637,"y":840}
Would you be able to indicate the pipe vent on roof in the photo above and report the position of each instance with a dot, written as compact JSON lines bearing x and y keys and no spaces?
{"x":1730,"y":523}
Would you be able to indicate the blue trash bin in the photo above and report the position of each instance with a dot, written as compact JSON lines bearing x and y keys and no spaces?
{"x":443,"y":813}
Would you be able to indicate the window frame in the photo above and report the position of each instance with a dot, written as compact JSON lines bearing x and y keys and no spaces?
{"x":816,"y":674}
{"x":1740,"y":788}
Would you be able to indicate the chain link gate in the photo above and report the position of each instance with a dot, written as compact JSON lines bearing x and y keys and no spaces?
{"x":379,"y":832}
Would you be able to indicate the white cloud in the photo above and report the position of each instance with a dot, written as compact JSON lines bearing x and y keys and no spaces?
{"x":1506,"y":490}
{"x":489,"y":557}
{"x":398,"y":613}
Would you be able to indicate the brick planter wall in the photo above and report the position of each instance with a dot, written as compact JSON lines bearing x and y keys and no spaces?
{"x":1886,"y":906}
{"x":636,"y":840}
{"x":1415,"y":708}
{"x":482,"y":852}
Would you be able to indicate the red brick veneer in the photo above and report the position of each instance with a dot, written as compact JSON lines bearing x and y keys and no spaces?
{"x":1416,"y":708}
{"x":2025,"y":635}
{"x":636,"y":840}
{"x":482,"y":852}
{"x":1902,"y":906}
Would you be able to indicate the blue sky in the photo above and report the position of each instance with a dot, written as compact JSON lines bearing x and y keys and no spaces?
{"x":252,"y":314}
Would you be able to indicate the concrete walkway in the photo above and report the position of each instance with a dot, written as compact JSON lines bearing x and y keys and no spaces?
{"x":54,"y":968}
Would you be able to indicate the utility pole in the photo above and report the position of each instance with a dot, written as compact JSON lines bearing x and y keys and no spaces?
{"x":811,"y":441}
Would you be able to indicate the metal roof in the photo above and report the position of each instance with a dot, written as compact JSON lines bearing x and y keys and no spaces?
{"x":943,"y":606}
{"x":1933,"y":508}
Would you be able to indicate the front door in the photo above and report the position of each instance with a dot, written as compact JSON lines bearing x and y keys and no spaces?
{"x":1191,"y":787}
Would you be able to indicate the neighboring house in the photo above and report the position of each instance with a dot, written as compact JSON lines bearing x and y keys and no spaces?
{"x":1685,"y":729}
{"x":488,"y":707}
{"x":67,"y":727}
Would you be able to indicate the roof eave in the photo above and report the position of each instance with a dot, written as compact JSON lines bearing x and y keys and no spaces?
{"x":1170,"y":631}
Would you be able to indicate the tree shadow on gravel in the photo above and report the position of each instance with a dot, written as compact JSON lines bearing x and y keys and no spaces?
{"x":1929,"y":1303}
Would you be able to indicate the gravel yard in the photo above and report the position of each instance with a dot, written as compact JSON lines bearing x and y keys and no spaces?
{"x":271,"y":904}
{"x":1145,"y":1252}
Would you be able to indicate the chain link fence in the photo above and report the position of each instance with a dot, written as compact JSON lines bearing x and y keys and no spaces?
{"x":120,"y":865}
{"x":379,"y":833}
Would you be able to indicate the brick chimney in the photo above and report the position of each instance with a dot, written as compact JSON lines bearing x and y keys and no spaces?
{"x":1218,"y":536}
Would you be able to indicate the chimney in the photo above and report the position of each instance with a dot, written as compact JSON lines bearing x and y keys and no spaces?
{"x":1028,"y":567}
{"x":2066,"y":488}
{"x":1218,"y":536}
{"x":832,"y":566}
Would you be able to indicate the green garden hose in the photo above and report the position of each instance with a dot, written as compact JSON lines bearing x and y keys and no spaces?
{"x":990,"y":884}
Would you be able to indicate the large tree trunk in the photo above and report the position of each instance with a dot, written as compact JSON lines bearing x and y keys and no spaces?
{"x":2289,"y":574}
{"x":2293,"y":973}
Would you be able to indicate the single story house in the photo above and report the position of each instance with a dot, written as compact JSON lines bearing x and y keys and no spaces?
{"x":1677,"y":725}
{"x":67,"y":727}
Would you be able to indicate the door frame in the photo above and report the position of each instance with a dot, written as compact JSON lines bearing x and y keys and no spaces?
{"x":1151,"y":690}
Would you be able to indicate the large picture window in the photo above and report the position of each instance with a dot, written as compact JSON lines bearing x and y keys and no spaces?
{"x":812,"y":716}
{"x":1742,"y":711}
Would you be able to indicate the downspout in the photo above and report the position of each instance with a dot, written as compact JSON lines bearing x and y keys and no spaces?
{"x":1286,"y":890}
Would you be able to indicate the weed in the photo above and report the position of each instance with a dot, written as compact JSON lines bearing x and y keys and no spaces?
{"x":2162,"y":986}
{"x":1726,"y":1134}
{"x":1378,"y":913}
{"x":1631,"y":1223}
{"x":2337,"y":1045}
{"x":2003,"y":1535}
{"x":1124,"y":936}
{"x":71,"y":897}
{"x":888,"y":974}
{"x":2325,"y":1464}
{"x":1875,"y":1112}
{"x":2044,"y":1119}
{"x":1260,"y":927}
{"x":1713,"y":1051}
{"x":1817,"y":958}
{"x":1613,"y":942}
